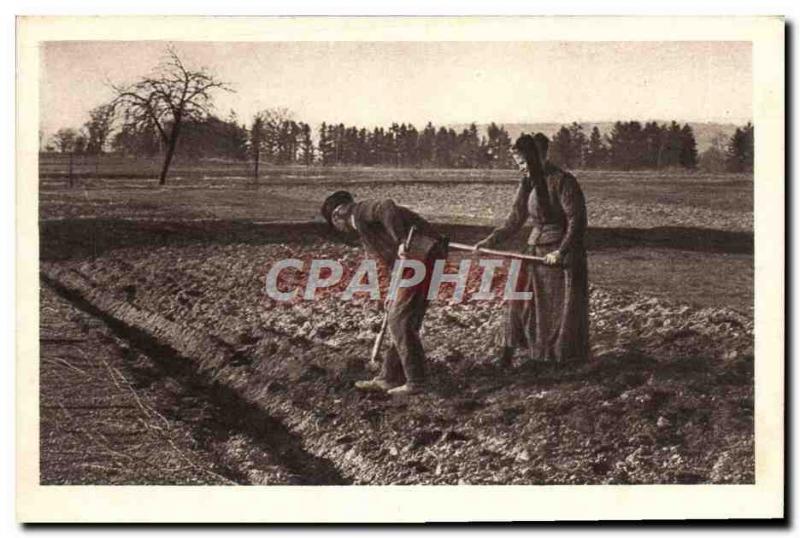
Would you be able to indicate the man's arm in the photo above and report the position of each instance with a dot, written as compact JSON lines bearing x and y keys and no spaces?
{"x":392,"y":219}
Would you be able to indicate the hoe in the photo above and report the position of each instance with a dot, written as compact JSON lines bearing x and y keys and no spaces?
{"x":376,"y":348}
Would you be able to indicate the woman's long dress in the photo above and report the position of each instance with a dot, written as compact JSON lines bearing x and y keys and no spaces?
{"x":554,"y":324}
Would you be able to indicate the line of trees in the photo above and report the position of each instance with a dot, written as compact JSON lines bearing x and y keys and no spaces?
{"x":629,"y":146}
{"x":275,"y":138}
{"x":173,"y":107}
{"x":404,"y":145}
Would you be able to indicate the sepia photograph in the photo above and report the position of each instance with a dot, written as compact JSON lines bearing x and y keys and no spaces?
{"x":367,"y":260}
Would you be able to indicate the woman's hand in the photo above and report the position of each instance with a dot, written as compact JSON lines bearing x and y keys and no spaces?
{"x":554,"y":258}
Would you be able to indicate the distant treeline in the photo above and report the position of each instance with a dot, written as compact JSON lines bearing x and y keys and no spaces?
{"x":628,"y":146}
{"x":403,"y":145}
{"x":168,"y":113}
{"x":633,"y":146}
{"x":274,"y":138}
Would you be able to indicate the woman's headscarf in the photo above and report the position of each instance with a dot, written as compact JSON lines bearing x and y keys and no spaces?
{"x":534,"y":150}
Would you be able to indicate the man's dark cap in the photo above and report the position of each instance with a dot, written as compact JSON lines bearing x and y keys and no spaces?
{"x":332,"y":202}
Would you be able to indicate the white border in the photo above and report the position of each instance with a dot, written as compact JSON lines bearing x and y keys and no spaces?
{"x":417,"y":503}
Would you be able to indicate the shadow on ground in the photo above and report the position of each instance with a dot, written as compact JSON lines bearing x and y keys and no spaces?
{"x":80,"y":238}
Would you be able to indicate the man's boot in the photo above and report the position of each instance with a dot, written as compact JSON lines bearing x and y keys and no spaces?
{"x":375,"y":385}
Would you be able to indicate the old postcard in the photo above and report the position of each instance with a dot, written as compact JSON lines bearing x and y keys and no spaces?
{"x":534,"y":261}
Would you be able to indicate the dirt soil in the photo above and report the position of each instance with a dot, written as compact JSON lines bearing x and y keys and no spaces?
{"x":641,"y":199}
{"x":113,"y":412}
{"x":667,"y":398}
{"x":206,"y":380}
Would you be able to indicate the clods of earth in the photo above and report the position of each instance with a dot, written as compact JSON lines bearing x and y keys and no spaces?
{"x":666,"y":398}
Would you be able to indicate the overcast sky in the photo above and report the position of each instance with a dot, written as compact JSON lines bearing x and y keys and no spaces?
{"x":377,"y":83}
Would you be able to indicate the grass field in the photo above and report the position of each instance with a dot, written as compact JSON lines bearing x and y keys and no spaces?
{"x":228,"y":190}
{"x":668,"y":398}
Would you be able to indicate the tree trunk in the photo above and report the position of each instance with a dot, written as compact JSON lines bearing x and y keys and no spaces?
{"x":258,"y":157}
{"x":70,"y":170}
{"x":162,"y":179}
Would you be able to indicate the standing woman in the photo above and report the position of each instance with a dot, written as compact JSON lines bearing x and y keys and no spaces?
{"x":554,"y":324}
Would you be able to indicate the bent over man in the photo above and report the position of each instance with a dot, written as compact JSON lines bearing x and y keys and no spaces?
{"x":382,"y":226}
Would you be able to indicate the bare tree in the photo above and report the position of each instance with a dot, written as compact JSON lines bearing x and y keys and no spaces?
{"x":64,"y":140}
{"x":81,"y":142}
{"x":68,"y":140}
{"x":257,"y":141}
{"x":99,"y":128}
{"x":164,"y":100}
